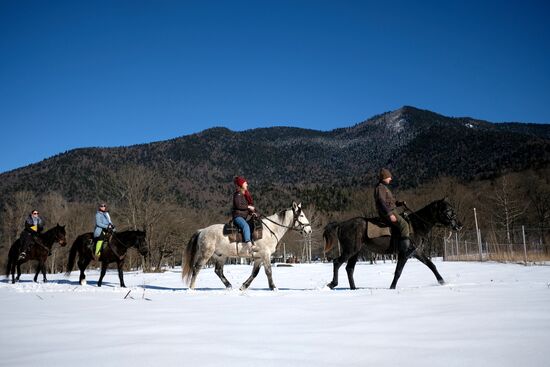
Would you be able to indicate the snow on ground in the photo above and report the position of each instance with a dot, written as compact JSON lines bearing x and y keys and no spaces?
{"x":487,"y":314}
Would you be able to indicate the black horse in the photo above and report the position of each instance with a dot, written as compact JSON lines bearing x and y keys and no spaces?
{"x":113,"y":251}
{"x":37,"y":251}
{"x":352,"y":235}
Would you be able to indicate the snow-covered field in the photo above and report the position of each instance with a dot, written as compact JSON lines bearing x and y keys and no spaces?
{"x":487,"y":314}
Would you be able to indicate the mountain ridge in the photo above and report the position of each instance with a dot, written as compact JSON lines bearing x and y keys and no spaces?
{"x":417,"y":145}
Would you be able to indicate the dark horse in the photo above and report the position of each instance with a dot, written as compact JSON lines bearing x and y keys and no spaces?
{"x":352,"y":235}
{"x":114,"y":251}
{"x":37,"y":252}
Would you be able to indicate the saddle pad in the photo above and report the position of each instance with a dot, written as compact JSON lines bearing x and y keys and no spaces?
{"x":374,"y":231}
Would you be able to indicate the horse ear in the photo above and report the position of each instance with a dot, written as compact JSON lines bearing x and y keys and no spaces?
{"x":300,"y":205}
{"x":294,"y":205}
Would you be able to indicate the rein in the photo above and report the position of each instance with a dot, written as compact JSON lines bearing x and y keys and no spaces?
{"x":39,"y":243}
{"x":418,"y":216}
{"x":114,"y":250}
{"x":295,"y":219}
{"x":436,"y":224}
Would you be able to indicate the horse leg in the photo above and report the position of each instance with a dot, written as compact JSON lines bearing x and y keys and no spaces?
{"x":104,"y":265}
{"x":401,"y":260}
{"x":12,"y":270}
{"x":350,"y":267}
{"x":82,"y":265}
{"x":255,"y":271}
{"x":120,"y":274}
{"x":38,"y":268}
{"x":337,"y":263}
{"x":219,"y":272}
{"x":426,"y":261}
{"x":43,"y":266}
{"x":269,"y":273}
{"x":18,"y":272}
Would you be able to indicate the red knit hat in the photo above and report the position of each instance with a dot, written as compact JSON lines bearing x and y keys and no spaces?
{"x":239,"y":181}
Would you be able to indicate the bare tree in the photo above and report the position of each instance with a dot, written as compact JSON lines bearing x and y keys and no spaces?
{"x":508,"y":206}
{"x":539,"y":196}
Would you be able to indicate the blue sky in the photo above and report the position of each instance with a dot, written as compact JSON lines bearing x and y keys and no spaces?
{"x":110,"y":73}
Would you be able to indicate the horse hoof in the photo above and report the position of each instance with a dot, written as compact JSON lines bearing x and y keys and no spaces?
{"x":243,"y":288}
{"x":331,"y":285}
{"x":441,"y":281}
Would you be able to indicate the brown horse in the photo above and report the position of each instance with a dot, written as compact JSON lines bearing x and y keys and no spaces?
{"x":352,"y":236}
{"x":114,"y":251}
{"x":37,"y":251}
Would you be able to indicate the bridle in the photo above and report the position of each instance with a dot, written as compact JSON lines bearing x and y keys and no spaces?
{"x":295,"y":221}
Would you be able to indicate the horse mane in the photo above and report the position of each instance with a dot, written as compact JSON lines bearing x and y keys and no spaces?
{"x":281,"y":214}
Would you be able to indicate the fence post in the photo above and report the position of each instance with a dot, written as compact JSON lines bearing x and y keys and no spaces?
{"x":478,"y":237}
{"x":524,"y":244}
{"x":457,"y":249}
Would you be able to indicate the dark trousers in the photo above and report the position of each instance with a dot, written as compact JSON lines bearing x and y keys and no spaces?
{"x":401,"y":225}
{"x":27,"y":239}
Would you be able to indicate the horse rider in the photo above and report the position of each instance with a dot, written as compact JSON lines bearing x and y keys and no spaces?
{"x":243,"y":206}
{"x":103,"y":228}
{"x":387,"y":208}
{"x":34,"y":225}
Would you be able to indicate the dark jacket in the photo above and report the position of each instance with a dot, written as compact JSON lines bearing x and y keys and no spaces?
{"x":240,"y":205}
{"x":30,"y":222}
{"x":385,"y":202}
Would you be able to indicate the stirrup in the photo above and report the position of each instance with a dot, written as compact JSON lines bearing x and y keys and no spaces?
{"x":22,"y":256}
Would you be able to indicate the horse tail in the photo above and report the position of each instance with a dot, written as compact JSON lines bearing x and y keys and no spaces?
{"x":330,"y":235}
{"x":189,"y":257}
{"x":12,"y":257}
{"x":72,"y":255}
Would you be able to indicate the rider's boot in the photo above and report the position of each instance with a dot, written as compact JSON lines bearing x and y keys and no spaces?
{"x":406,"y":247}
{"x":247,"y":248}
{"x":97,"y":249}
{"x":254,"y":247}
{"x":23,"y":253}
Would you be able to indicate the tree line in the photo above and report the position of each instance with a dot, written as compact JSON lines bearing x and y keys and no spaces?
{"x":141,"y":199}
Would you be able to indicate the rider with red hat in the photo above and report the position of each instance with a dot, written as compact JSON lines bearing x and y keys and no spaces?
{"x":243,"y":206}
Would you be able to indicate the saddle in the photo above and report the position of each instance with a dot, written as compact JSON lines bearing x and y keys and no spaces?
{"x":235,"y":233}
{"x":377,"y":227}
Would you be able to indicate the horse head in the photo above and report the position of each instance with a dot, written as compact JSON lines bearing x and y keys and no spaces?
{"x":59,"y":235}
{"x":446,"y":214}
{"x":300,"y":221}
{"x":141,"y":243}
